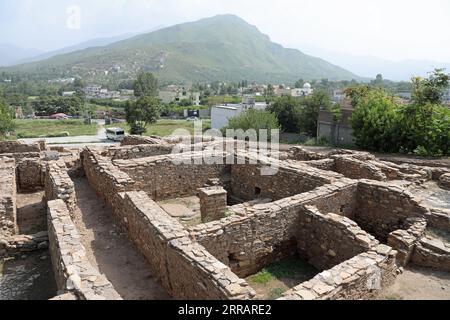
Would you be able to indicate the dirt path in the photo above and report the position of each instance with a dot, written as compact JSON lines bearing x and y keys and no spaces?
{"x":418,"y":283}
{"x":110,"y":251}
{"x":31,"y":213}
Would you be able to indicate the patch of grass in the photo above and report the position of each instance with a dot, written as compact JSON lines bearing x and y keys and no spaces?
{"x":164,"y":128}
{"x":289,"y":268}
{"x":393,"y":297}
{"x":53,"y":128}
{"x":276,"y":293}
{"x":262,"y":277}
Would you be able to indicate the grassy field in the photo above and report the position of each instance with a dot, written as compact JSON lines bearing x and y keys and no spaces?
{"x":48,"y":128}
{"x":164,"y":128}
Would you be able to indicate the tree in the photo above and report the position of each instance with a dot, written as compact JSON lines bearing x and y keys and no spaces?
{"x":431,"y":89}
{"x":6,"y":121}
{"x":375,"y":122}
{"x":378,"y":82}
{"x":299,"y":83}
{"x":254,"y":119}
{"x":146,"y":85}
{"x":141,"y":113}
{"x":311,"y":106}
{"x":288,"y":112}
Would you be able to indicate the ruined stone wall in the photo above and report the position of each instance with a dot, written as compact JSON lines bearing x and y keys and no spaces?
{"x":18,"y":147}
{"x":163,"y":179}
{"x":383,"y":208}
{"x":105,"y":178}
{"x":138,"y":151}
{"x":357,"y":169}
{"x":361,"y":277}
{"x":30,"y":175}
{"x":327,"y":239}
{"x":255,"y":236}
{"x":73,"y":272}
{"x":247,"y":183}
{"x":58,"y":184}
{"x":138,"y":140}
{"x":8,"y":211}
{"x":184,"y":268}
{"x":432,"y":252}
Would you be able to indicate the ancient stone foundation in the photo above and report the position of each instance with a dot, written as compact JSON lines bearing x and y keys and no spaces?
{"x":355,"y":219}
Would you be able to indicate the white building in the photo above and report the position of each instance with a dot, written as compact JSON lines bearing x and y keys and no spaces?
{"x":302,"y":92}
{"x":220,"y":115}
{"x":176,"y":96}
{"x":68,"y":93}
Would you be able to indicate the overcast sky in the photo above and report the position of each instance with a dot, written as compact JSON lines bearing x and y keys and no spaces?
{"x":392,"y":29}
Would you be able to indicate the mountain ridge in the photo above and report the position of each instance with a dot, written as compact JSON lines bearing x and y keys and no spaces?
{"x":223,"y":48}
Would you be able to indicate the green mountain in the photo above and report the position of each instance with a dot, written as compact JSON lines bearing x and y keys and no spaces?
{"x":224,"y":48}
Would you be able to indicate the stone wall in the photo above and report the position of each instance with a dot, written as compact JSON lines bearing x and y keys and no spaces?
{"x":325,"y":240}
{"x":8,"y":211}
{"x":30,"y":175}
{"x":105,"y":178}
{"x":247,"y":183}
{"x":255,"y":236}
{"x":213,"y":203}
{"x":58,"y":184}
{"x":432,"y":252}
{"x":138,"y":140}
{"x":138,"y":151}
{"x":361,"y":277}
{"x":73,"y":272}
{"x":18,"y":147}
{"x":357,"y":169}
{"x":184,"y":268}
{"x":23,"y":244}
{"x":163,"y":179}
{"x":383,"y":208}
{"x":405,"y":240}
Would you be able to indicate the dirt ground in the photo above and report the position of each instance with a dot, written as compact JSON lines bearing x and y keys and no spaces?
{"x":31,"y":213}
{"x":110,"y":251}
{"x":417,"y":283}
{"x":29,"y":277}
{"x":186,"y":210}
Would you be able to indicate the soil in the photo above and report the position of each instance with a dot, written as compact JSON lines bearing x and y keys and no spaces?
{"x":110,"y":251}
{"x":186,"y":210}
{"x":29,"y":277}
{"x":31,"y":213}
{"x":417,"y":283}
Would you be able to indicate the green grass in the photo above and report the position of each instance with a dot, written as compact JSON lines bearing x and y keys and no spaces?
{"x":288,"y":268}
{"x":164,"y":128}
{"x":48,"y":128}
{"x":276,"y":293}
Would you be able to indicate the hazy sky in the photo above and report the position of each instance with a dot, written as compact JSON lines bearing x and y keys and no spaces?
{"x":392,"y":29}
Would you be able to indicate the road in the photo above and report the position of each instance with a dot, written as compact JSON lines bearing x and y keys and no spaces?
{"x":78,"y":141}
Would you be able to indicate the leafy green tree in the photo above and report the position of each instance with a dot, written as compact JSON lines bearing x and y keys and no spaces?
{"x":6,"y":121}
{"x":139,"y":114}
{"x":254,"y":119}
{"x":288,"y":112}
{"x":311,"y":106}
{"x":431,"y":89}
{"x":299,"y":83}
{"x":146,"y":85}
{"x":375,"y":122}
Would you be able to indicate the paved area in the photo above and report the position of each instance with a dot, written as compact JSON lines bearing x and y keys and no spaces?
{"x":110,"y":251}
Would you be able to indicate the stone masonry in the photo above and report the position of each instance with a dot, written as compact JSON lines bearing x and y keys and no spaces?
{"x":213,"y":203}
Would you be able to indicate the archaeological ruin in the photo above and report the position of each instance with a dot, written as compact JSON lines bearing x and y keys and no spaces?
{"x":133,"y":222}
